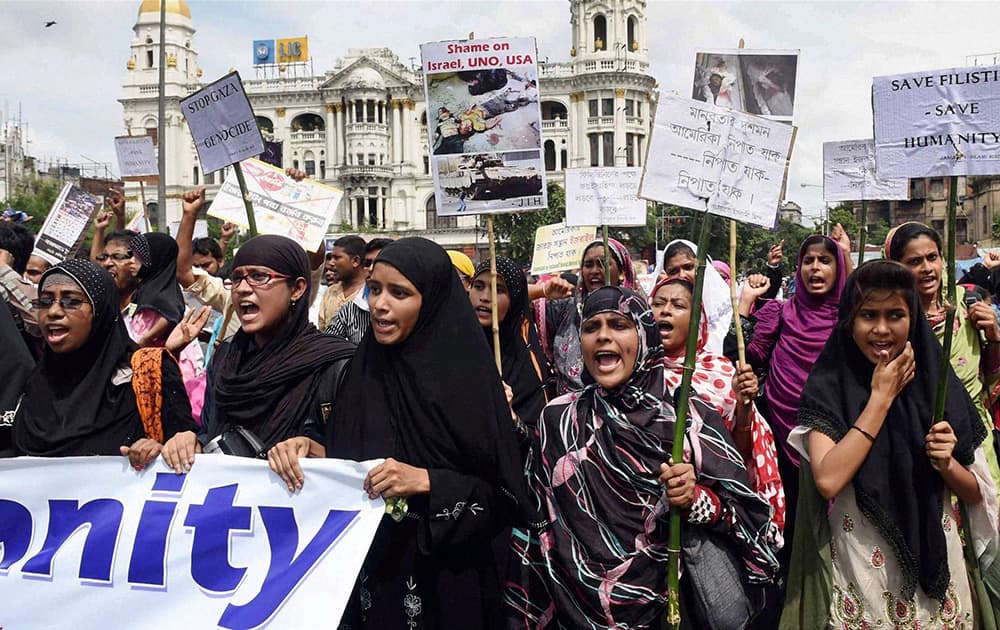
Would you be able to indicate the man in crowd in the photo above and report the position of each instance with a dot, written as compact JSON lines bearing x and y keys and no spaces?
{"x":346,"y":267}
{"x":16,"y":244}
{"x":353,"y":320}
{"x":36,"y":267}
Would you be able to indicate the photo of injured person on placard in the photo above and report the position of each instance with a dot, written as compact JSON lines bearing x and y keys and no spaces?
{"x":475,"y":111}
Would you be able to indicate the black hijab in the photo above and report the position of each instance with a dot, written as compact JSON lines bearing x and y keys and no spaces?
{"x":524,"y":370}
{"x":70,"y":406}
{"x":269,"y":390}
{"x":159,"y":289}
{"x":434,"y":400}
{"x":896,"y":487}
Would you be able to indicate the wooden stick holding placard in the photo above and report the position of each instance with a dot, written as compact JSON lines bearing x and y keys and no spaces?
{"x":251,"y":220}
{"x":494,"y":307}
{"x":740,"y":344}
{"x":949,"y":305}
{"x":607,"y":255}
{"x":680,"y":426}
{"x":864,"y":232}
{"x":142,"y":200}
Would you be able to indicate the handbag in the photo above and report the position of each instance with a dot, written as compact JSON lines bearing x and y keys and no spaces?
{"x":713,"y":579}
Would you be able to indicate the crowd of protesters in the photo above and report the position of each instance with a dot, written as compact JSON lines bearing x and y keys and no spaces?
{"x":816,"y":488}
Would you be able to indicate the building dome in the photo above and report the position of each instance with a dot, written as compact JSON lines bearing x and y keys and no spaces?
{"x":366,"y":78}
{"x":180,"y":7}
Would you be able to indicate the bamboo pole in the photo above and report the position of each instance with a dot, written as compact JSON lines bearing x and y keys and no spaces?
{"x":680,"y":426}
{"x":864,"y":232}
{"x":607,"y":256}
{"x":949,"y":304}
{"x":494,"y":308}
{"x":251,"y":220}
{"x":740,"y":343}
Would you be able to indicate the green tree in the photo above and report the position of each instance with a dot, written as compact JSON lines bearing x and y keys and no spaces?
{"x":35,"y":199}
{"x":844,"y":215}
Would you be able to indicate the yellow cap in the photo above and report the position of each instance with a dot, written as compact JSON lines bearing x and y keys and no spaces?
{"x":462,"y":262}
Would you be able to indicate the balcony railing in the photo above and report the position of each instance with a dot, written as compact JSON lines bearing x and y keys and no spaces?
{"x":558,"y":123}
{"x":365,"y":170}
{"x":308,"y":136}
{"x":367,"y":127}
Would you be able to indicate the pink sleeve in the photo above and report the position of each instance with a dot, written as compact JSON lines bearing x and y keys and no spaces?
{"x":141,"y":322}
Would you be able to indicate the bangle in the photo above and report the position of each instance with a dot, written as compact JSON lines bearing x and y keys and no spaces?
{"x":871,"y":438}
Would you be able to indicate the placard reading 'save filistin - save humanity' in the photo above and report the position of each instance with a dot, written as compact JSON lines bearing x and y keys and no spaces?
{"x":937,"y":122}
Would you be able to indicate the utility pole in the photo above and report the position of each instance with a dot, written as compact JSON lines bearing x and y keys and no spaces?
{"x":161,"y":182}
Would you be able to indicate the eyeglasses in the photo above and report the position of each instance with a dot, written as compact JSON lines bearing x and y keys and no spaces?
{"x":116,"y":256}
{"x":254,"y":279}
{"x":67,"y":303}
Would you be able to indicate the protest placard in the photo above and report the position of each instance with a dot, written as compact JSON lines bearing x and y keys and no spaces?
{"x":760,"y":82}
{"x":302,"y":211}
{"x":200,"y":228}
{"x":937,"y":122}
{"x":559,"y":248}
{"x":604,"y":196}
{"x":136,"y":158}
{"x":480,"y":165}
{"x":849,"y":174}
{"x":222,"y":124}
{"x":224,"y":545}
{"x":66,"y":224}
{"x":711,"y":158}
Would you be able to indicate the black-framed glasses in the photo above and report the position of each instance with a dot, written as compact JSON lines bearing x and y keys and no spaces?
{"x":254,"y":279}
{"x":66,"y":302}
{"x":118,"y":256}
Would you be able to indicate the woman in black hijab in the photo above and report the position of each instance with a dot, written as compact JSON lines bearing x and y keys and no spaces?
{"x":159,"y":304}
{"x":524,"y":370}
{"x":278,"y":376}
{"x":15,"y":368}
{"x":80,"y":399}
{"x":877,"y":542}
{"x":424,"y":393}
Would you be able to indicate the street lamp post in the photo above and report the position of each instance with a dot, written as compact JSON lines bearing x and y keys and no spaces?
{"x":826,"y":209}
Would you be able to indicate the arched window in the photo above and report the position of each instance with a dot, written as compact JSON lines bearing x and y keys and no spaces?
{"x":633,"y":34}
{"x":265,"y":124}
{"x":434,"y":221}
{"x":550,"y":155}
{"x":600,"y":33}
{"x":308,"y":122}
{"x":553,"y":110}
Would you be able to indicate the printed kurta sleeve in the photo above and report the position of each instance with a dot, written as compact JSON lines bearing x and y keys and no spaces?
{"x":176,"y":408}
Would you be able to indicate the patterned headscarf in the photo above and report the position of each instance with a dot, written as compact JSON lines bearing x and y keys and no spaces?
{"x":600,"y":559}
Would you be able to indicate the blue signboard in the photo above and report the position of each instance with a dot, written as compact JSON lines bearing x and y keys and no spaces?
{"x":263,"y":51}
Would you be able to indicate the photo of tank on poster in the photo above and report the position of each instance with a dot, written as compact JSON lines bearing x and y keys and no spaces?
{"x":484,"y":125}
{"x":759,"y":82}
{"x":489,"y":182}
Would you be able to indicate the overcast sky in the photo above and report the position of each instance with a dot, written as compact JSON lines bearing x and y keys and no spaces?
{"x":67,"y":78}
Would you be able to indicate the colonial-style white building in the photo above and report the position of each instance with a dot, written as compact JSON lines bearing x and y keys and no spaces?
{"x":362,"y":125}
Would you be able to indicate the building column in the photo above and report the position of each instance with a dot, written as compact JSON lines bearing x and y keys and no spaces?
{"x":331,"y":135}
{"x":619,"y":137}
{"x":338,"y":124}
{"x":581,"y":156}
{"x":397,"y":132}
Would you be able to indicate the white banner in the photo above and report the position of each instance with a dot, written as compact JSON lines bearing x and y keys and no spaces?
{"x":302,"y":211}
{"x":712,"y":158}
{"x":87,"y":542}
{"x":136,"y":157}
{"x":559,"y":248}
{"x":938,"y":122}
{"x":222,"y":124}
{"x":64,"y":227}
{"x":484,"y":122}
{"x":604,"y":196}
{"x":849,"y":174}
